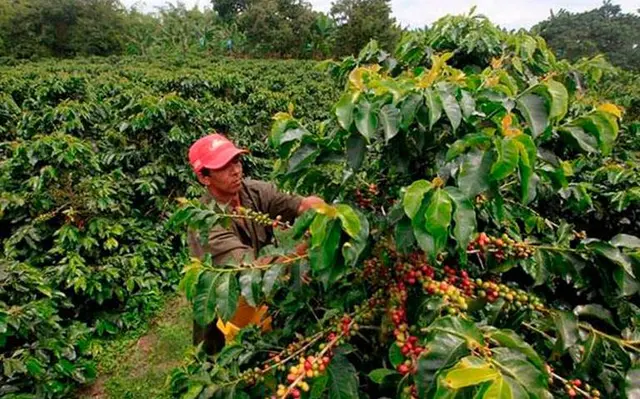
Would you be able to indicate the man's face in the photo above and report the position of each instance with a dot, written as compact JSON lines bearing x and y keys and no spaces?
{"x":226,"y":180}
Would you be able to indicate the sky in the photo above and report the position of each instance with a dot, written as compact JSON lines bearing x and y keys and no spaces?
{"x":511,"y":14}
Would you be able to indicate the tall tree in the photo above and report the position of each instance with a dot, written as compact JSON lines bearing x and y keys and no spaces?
{"x":359,"y":21}
{"x":62,"y":27}
{"x":605,"y":30}
{"x":279,"y":28}
{"x":228,"y":10}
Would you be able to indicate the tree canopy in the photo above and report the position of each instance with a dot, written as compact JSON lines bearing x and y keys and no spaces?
{"x":275,"y":28}
{"x":604,"y":30}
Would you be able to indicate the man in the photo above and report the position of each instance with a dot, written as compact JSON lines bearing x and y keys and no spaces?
{"x":216,"y":163}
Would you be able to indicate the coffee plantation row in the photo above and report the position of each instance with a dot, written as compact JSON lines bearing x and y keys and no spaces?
{"x":481,"y":241}
{"x":93,"y":154}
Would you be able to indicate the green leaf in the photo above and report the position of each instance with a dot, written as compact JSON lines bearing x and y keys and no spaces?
{"x":190,"y":280}
{"x":378,"y":375}
{"x":607,"y":130}
{"x":628,"y":284}
{"x":466,"y":374}
{"x":473,"y":177}
{"x":508,"y":155}
{"x":366,"y":119}
{"x":344,"y":109}
{"x":323,"y":255}
{"x":343,"y":380}
{"x":204,"y":304}
{"x":527,"y":163}
{"x":229,"y":354}
{"x":302,"y":157}
{"x":601,"y":125}
{"x":270,"y":277}
{"x":413,"y":197}
{"x":395,"y":355}
{"x":349,"y":219}
{"x":451,"y":107}
{"x":459,"y":327}
{"x":471,"y":140}
{"x":516,"y":369}
{"x":438,"y":217}
{"x":278,"y":130}
{"x":390,"y":121}
{"x":567,"y":328}
{"x":425,"y":241}
{"x":577,"y":137}
{"x":559,"y":99}
{"x":356,"y":149}
{"x":534,"y":110}
{"x":446,"y":343}
{"x":318,"y":229}
{"x":34,"y":366}
{"x":319,"y":386}
{"x":499,"y":389}
{"x":467,"y":104}
{"x":404,"y":236}
{"x":591,"y":353}
{"x":464,"y":217}
{"x":625,"y":240}
{"x":302,"y":224}
{"x":250,"y":282}
{"x":227,"y":295}
{"x":597,"y":311}
{"x":352,"y":249}
{"x":193,"y":391}
{"x":613,"y":254}
{"x":434,"y":105}
{"x":510,"y":339}
{"x":408,"y":109}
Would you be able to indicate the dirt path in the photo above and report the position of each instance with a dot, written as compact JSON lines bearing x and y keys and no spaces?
{"x":138,"y":368}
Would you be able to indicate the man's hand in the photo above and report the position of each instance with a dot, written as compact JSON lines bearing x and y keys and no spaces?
{"x":310,"y":202}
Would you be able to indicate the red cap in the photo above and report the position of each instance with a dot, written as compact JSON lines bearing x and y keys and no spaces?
{"x":212,"y":152}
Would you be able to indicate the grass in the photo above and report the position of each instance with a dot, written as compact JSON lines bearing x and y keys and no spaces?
{"x":137,"y":365}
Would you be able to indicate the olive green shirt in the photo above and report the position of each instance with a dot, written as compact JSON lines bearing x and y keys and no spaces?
{"x":246,"y":237}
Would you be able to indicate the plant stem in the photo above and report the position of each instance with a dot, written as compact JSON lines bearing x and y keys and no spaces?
{"x":287,"y":260}
{"x":621,"y":342}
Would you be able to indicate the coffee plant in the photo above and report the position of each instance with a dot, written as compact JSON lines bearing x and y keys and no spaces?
{"x":92,"y":155}
{"x":474,"y":244}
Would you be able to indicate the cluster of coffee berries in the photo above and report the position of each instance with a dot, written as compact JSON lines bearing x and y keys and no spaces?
{"x":347,"y":327}
{"x":411,"y":273}
{"x":408,"y":343}
{"x":460,"y":279}
{"x":452,"y":295}
{"x":375,"y":272}
{"x":572,"y":387}
{"x":517,"y":298}
{"x":410,"y":391}
{"x":307,"y":368}
{"x":365,"y":199}
{"x":253,"y":376}
{"x":501,"y":247}
{"x":261,"y":218}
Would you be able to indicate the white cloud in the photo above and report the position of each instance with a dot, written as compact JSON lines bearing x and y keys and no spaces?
{"x":418,"y":13}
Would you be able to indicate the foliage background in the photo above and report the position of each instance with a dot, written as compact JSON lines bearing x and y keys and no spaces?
{"x":92,"y":156}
